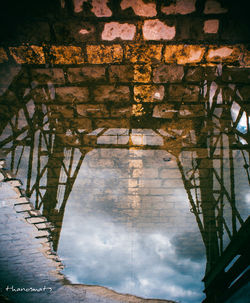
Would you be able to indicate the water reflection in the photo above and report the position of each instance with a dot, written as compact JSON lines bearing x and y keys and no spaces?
{"x":139,"y":209}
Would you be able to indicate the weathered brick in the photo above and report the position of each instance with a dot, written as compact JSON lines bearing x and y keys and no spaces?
{"x":113,"y":123}
{"x":121,"y":73}
{"x":65,"y":111}
{"x":168,"y":73}
{"x":3,"y":55}
{"x":92,"y":110}
{"x":140,"y":53}
{"x":142,"y":73}
{"x":99,"y":54}
{"x":45,"y":75}
{"x":191,"y":111}
{"x":100,"y":8}
{"x":157,"y":30}
{"x":83,"y":123}
{"x":28,"y":54}
{"x":105,"y":93}
{"x":86,"y":73}
{"x":188,"y":93}
{"x":194,"y":74}
{"x":246,"y":58}
{"x":211,"y":26}
{"x":138,"y":110}
{"x":214,"y":7}
{"x":223,"y":54}
{"x":148,"y":93}
{"x":72,"y":94}
{"x":117,"y":112}
{"x":236,"y":75}
{"x":164,"y":111}
{"x":113,"y":30}
{"x":140,"y":8}
{"x":66,"y":55}
{"x":23,"y":207}
{"x":74,"y":31}
{"x":182,"y":7}
{"x":183,"y":54}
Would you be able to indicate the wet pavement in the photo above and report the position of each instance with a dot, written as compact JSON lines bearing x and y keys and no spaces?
{"x":143,"y":202}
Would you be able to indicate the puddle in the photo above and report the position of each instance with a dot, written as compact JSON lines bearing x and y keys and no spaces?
{"x":141,"y":205}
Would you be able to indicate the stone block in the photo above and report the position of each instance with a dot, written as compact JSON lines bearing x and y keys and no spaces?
{"x":92,"y":110}
{"x":140,"y":8}
{"x":3,"y":55}
{"x":168,"y":73}
{"x":214,"y":7}
{"x":157,"y":30}
{"x":187,"y":93}
{"x":183,"y":54}
{"x":142,"y":73}
{"x":139,"y":53}
{"x":66,"y":55}
{"x":246,"y":58}
{"x":148,"y":93}
{"x":211,"y":26}
{"x":86,"y":74}
{"x":110,"y":93}
{"x":100,"y":54}
{"x":28,"y":54}
{"x":236,"y":74}
{"x":182,"y":7}
{"x":164,"y":111}
{"x":72,"y":94}
{"x":114,"y":30}
{"x":227,"y":54}
{"x":45,"y":75}
{"x":34,"y":220}
{"x":121,"y":73}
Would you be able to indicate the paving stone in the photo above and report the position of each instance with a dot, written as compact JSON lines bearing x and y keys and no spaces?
{"x":104,"y":93}
{"x":140,"y":8}
{"x":72,"y":94}
{"x":148,"y":93}
{"x":86,"y":73}
{"x":28,"y":54}
{"x":66,"y":55}
{"x":188,"y":93}
{"x":157,"y":30}
{"x":113,"y":30}
{"x":121,"y":73}
{"x":182,"y":7}
{"x":139,"y":53}
{"x":100,"y":54}
{"x":33,"y":220}
{"x":45,"y":75}
{"x":168,"y":73}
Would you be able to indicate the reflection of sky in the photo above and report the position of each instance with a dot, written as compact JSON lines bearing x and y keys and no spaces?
{"x":97,"y":248}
